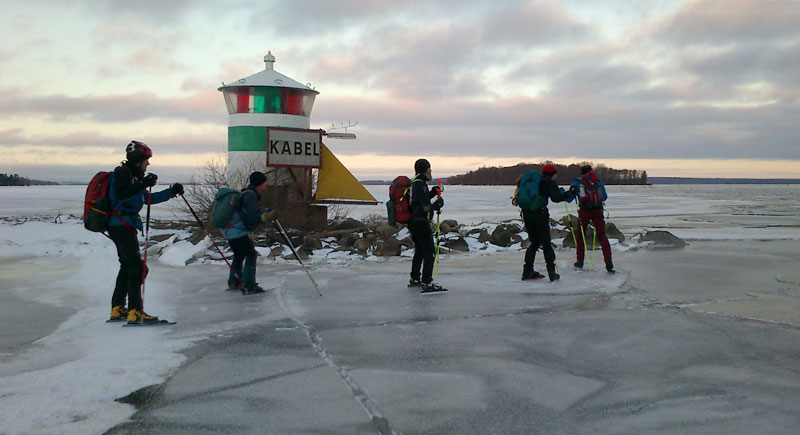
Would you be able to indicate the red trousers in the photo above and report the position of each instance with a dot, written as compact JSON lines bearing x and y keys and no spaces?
{"x":599,"y":223}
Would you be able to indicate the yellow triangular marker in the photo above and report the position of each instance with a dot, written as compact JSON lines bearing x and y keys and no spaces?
{"x":335,"y":182}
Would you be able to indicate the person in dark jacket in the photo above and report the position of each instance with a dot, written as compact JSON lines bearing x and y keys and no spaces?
{"x":245,"y":218}
{"x":128,"y":193}
{"x":591,"y":197}
{"x":422,"y":210}
{"x":537,"y":224}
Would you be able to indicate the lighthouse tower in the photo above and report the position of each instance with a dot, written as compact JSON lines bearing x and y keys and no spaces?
{"x":266,"y":99}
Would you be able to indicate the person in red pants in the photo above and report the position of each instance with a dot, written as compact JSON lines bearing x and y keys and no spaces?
{"x":592,"y":195}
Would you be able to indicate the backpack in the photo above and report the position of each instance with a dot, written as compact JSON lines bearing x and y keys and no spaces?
{"x":225,"y":202}
{"x":96,"y":204}
{"x":398,"y":203}
{"x":528,"y":197}
{"x":591,"y":196}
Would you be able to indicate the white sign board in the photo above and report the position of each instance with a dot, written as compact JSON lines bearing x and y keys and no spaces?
{"x":293,"y":147}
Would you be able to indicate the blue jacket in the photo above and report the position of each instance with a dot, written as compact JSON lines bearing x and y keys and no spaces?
{"x":128,"y":195}
{"x":246,"y":216}
{"x":577,"y":183}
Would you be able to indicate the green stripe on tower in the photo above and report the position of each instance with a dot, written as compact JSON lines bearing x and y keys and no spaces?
{"x":247,"y":139}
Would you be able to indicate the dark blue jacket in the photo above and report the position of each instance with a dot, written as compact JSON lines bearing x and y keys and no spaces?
{"x":246,"y":216}
{"x":128,"y":195}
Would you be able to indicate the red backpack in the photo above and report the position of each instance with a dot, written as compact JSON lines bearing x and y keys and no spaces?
{"x":591,"y":197}
{"x":397,"y":205}
{"x":97,"y":205}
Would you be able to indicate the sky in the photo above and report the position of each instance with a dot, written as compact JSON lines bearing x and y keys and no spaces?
{"x":691,"y":88}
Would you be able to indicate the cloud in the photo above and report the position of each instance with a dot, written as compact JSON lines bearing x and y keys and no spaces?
{"x":720,"y":22}
{"x":531,"y":24}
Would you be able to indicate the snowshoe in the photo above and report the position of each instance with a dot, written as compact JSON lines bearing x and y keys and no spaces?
{"x":532,"y":275}
{"x":414,"y":283}
{"x":432,"y":288}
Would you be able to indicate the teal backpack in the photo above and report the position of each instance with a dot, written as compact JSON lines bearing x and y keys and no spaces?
{"x":225,"y":202}
{"x":528,"y":197}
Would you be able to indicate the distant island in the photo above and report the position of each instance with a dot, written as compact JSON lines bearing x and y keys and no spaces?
{"x":694,"y":180}
{"x":17,"y":180}
{"x":507,"y":175}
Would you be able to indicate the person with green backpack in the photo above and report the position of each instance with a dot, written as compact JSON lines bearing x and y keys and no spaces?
{"x":533,"y":190}
{"x":237,"y":214}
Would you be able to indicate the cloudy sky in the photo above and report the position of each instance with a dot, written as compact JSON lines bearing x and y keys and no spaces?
{"x":674,"y":87}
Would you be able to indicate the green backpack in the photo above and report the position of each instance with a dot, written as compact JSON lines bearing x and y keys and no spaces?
{"x":225,"y":202}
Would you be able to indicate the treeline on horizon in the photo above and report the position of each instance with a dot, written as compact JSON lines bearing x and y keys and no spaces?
{"x":507,"y":175}
{"x":17,"y":180}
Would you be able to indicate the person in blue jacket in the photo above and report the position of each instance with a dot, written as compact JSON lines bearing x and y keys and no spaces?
{"x":128,"y":193}
{"x":245,"y":218}
{"x":592,"y":194}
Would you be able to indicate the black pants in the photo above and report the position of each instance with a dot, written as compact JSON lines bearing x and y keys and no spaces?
{"x":537,"y":224}
{"x":423,"y":250}
{"x":129,"y":278}
{"x":243,"y":252}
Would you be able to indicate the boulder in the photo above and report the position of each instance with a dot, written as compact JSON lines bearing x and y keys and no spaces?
{"x":361,"y":245}
{"x":484,"y":235}
{"x":555,"y":233}
{"x":501,"y":236}
{"x":525,"y":243}
{"x":452,"y":223}
{"x":444,"y":228}
{"x":458,"y":244}
{"x":388,"y":248}
{"x":275,"y":252}
{"x":515,"y":238}
{"x":197,"y":236}
{"x":312,"y":241}
{"x":570,"y":243}
{"x":613,"y":233}
{"x":300,"y":253}
{"x":662,"y":239}
{"x":386,"y":231}
{"x":346,"y":240}
{"x":349,"y":224}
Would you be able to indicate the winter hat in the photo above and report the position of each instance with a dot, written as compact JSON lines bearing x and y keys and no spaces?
{"x":585,"y":169}
{"x":421,"y":165}
{"x":137,"y":152}
{"x":549,"y":170}
{"x":257,"y":178}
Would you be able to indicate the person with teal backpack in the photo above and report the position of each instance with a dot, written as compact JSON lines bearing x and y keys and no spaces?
{"x":236,"y":215}
{"x":533,"y":191}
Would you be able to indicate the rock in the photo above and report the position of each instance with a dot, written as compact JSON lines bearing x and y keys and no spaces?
{"x":501,"y":236}
{"x":349,"y":224}
{"x":458,"y":244}
{"x":346,"y":240}
{"x":386,"y":231}
{"x":525,"y":243}
{"x":388,"y":248}
{"x":197,"y":236}
{"x":613,"y":233}
{"x":514,"y":228}
{"x":555,"y":233}
{"x":452,"y":224}
{"x":275,"y":252}
{"x":444,"y":228}
{"x":312,"y":241}
{"x":300,"y":253}
{"x":361,"y":245}
{"x":160,"y":238}
{"x":484,"y":236}
{"x":570,"y":243}
{"x":663,"y":239}
{"x":515,"y":238}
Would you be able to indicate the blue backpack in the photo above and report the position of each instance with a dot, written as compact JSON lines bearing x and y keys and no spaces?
{"x":528,"y":197}
{"x":225,"y":202}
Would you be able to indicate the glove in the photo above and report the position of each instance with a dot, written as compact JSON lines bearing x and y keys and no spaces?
{"x":435,"y":190}
{"x":177,"y":189}
{"x":437,"y":205}
{"x":150,"y":180}
{"x":268,"y":216}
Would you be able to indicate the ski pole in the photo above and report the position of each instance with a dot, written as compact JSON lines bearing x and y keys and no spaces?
{"x":571,"y":228}
{"x":436,"y":261}
{"x":591,"y":261}
{"x":199,"y":222}
{"x":146,"y":237}
{"x":289,"y":242}
{"x":580,"y":222}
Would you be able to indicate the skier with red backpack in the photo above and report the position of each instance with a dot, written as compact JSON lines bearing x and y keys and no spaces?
{"x":533,"y":190}
{"x":592,"y":194}
{"x":127,"y":194}
{"x":420,"y":210}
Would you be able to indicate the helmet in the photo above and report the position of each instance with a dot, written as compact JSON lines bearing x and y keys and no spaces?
{"x":137,"y":152}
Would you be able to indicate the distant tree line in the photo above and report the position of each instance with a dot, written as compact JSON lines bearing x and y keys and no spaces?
{"x":507,"y":175}
{"x":17,"y":180}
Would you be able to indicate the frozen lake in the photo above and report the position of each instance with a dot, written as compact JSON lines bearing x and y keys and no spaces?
{"x":703,"y":338}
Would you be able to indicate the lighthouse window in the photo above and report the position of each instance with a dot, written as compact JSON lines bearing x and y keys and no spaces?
{"x":289,"y":101}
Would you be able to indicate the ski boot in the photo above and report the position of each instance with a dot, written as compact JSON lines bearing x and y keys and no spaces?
{"x":255,"y":289}
{"x":532,"y":275}
{"x":578,"y":264}
{"x":118,"y":314}
{"x":610,"y":267}
{"x":551,"y":273}
{"x":139,"y":316}
{"x":432,"y":288}
{"x":414,"y":283}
